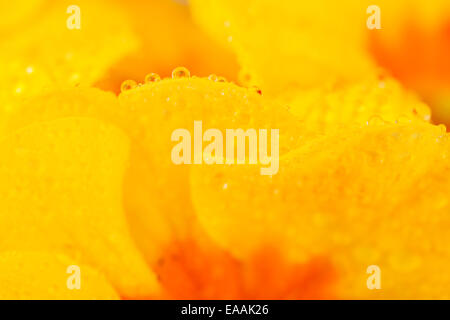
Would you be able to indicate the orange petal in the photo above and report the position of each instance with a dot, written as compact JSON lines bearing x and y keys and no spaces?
{"x":416,"y":49}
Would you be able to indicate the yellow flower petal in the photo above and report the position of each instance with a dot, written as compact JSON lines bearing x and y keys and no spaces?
{"x":316,"y":63}
{"x":358,"y":103}
{"x":371,"y":195}
{"x":159,"y":108}
{"x":61,"y":186}
{"x":44,"y":54}
{"x":72,"y":102}
{"x":14,"y":14}
{"x":43,"y":275}
{"x":168,"y":37}
{"x":290,"y":44}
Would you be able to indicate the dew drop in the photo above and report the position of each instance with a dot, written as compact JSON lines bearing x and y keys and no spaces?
{"x":152,"y":77}
{"x":375,"y":121}
{"x":213,"y":77}
{"x":128,"y":85}
{"x":180,"y":72}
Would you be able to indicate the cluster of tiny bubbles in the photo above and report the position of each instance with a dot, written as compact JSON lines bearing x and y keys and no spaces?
{"x":216,"y":78}
{"x":128,"y":85}
{"x":375,"y":121}
{"x":152,"y":77}
{"x":180,"y":72}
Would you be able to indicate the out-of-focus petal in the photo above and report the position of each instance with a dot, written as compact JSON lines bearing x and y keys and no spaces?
{"x":317,"y":63}
{"x":168,"y":38}
{"x":286,"y":45}
{"x":44,"y":54}
{"x":414,"y":45}
{"x":43,"y":275}
{"x":15,"y":14}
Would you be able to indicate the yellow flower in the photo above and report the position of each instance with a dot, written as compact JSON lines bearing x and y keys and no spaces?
{"x":87,"y":179}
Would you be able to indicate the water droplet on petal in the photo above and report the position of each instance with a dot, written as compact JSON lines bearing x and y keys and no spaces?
{"x":213,"y":77}
{"x":152,"y":77}
{"x":375,"y":121}
{"x":180,"y":72}
{"x":128,"y":85}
